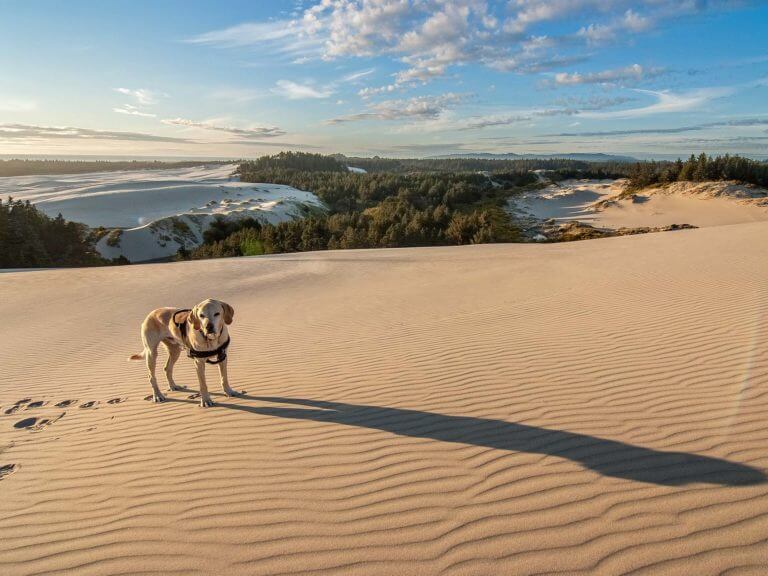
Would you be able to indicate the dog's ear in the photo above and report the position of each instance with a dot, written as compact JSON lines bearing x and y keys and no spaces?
{"x":195,"y":318}
{"x":229,"y":313}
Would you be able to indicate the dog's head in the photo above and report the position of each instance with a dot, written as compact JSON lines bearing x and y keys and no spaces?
{"x":210,"y":316}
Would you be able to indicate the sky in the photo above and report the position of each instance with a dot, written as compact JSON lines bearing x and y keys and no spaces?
{"x":398,"y":78}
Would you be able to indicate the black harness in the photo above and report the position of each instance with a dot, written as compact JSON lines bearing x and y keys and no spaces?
{"x":220,"y":352}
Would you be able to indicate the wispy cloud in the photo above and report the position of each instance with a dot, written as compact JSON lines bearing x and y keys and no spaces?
{"x":419,"y":108}
{"x":133,"y":111}
{"x":141,"y":95}
{"x":743,"y":122}
{"x":253,"y":132}
{"x":666,"y":102}
{"x":355,"y":76}
{"x":30,"y":132}
{"x":295,"y":91}
{"x":443,"y":121}
{"x":247,"y":34}
{"x":630,"y":74}
{"x":290,"y":38}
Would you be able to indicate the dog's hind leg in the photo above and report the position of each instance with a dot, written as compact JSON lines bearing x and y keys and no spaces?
{"x":173,"y":354}
{"x":150,"y":354}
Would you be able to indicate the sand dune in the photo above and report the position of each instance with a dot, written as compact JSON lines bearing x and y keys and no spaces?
{"x":596,"y":407}
{"x":159,"y":210}
{"x":600,"y":203}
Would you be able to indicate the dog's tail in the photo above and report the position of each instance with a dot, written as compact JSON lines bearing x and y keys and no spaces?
{"x":136,"y":356}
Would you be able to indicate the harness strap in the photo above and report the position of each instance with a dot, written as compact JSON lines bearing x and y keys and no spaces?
{"x":220,"y":352}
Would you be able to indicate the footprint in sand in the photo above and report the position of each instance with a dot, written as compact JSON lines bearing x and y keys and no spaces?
{"x":35,"y":423}
{"x":90,"y":404}
{"x":7,"y":470}
{"x":116,"y":400}
{"x":36,"y":404}
{"x":17,"y":405}
{"x":65,"y":403}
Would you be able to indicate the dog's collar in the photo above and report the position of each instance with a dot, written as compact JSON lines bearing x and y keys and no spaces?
{"x":220,"y":352}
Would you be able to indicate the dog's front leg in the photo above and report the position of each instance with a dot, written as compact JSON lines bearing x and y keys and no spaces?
{"x":225,"y":380}
{"x":205,"y":397}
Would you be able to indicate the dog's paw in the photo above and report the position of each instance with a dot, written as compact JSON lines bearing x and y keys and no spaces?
{"x":158,"y":397}
{"x":175,"y":388}
{"x":206,"y":402}
{"x":234,"y":393}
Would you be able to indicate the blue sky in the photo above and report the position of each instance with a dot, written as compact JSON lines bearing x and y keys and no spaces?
{"x":387,"y":77}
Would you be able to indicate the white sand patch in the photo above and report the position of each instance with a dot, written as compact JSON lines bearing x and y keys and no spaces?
{"x":161,"y":210}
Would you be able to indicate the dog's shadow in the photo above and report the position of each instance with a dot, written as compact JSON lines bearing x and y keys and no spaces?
{"x":604,"y":456}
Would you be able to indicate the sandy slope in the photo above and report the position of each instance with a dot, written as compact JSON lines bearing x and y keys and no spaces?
{"x":597,"y":202}
{"x":122,"y":198}
{"x":597,"y":407}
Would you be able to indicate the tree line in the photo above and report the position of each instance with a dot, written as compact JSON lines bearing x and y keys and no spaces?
{"x":699,"y":169}
{"x":422,"y":202}
{"x":30,"y":239}
{"x":520,"y":165}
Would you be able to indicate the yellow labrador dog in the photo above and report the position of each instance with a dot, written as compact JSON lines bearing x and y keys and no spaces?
{"x":201,"y":331}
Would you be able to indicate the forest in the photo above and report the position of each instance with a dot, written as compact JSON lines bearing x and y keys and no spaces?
{"x":699,"y":169}
{"x":372,"y":210}
{"x":394,"y":203}
{"x":425,"y":202}
{"x":30,"y":239}
{"x":521,"y":165}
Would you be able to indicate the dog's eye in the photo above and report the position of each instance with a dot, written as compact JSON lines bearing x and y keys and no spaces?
{"x":217,"y":314}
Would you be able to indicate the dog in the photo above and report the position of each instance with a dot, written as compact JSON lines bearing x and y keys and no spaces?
{"x":201,"y":331}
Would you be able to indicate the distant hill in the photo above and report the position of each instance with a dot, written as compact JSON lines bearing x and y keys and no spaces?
{"x":582,"y":156}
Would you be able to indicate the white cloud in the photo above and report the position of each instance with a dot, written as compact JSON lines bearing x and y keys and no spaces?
{"x":355,"y":76}
{"x":666,"y":102}
{"x":133,"y":111}
{"x":253,"y":132}
{"x":633,"y":73}
{"x":247,"y":34}
{"x":419,"y":108}
{"x":34,"y":133}
{"x":369,"y":92}
{"x":295,"y":91}
{"x":629,"y":22}
{"x":431,"y":37}
{"x":142,"y":95}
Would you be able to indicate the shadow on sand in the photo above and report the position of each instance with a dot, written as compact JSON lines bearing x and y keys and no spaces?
{"x":606,"y":457}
